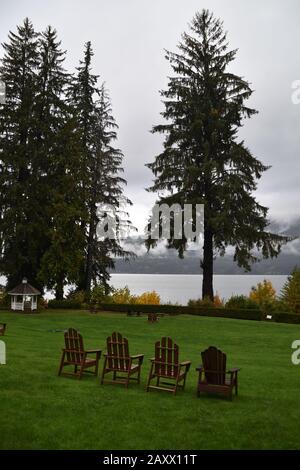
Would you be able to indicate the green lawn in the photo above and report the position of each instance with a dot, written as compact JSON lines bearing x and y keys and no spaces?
{"x":39,"y":410}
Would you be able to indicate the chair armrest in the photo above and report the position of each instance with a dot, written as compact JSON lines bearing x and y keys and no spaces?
{"x":186,"y":363}
{"x":152,"y":359}
{"x":137,"y":356}
{"x":200,"y":368}
{"x":91,"y":351}
{"x":233,"y":370}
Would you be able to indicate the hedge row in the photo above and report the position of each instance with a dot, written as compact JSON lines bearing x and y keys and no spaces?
{"x":286,"y":317}
{"x":245,"y":314}
{"x":64,"y":304}
{"x":241,"y":314}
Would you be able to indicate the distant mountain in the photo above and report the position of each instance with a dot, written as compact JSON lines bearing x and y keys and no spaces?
{"x":164,"y":261}
{"x":146,"y":264}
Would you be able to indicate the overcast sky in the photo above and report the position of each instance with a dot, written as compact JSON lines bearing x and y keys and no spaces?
{"x":129,"y":37}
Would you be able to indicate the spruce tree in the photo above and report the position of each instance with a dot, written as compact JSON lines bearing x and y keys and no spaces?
{"x":58,"y":170}
{"x":42,"y":204}
{"x":20,"y":250}
{"x":290,"y":292}
{"x":101,"y":182}
{"x":203,"y":160}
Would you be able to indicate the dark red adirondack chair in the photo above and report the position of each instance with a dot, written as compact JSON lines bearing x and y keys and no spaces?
{"x":118,"y":361}
{"x":75,"y":355}
{"x":166,"y":366}
{"x":2,"y":329}
{"x":213,"y":376}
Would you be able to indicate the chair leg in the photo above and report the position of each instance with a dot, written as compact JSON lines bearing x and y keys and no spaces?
{"x":61,"y":363}
{"x":128,"y":379}
{"x":103,"y":372}
{"x":81,"y":370}
{"x":176,"y":385}
{"x":183,"y":386}
{"x":236,"y":385}
{"x":97,"y":365}
{"x":149,"y":377}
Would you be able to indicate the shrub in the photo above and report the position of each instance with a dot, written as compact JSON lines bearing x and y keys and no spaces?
{"x":148,"y":298}
{"x":42,"y":303}
{"x":57,"y":304}
{"x":218,"y":302}
{"x":77,"y":296}
{"x":4,"y":300}
{"x":263,"y":293}
{"x":290,"y":292}
{"x":286,"y":317}
{"x":241,"y":302}
{"x":121,"y":296}
{"x":206,"y":302}
{"x":100,"y":294}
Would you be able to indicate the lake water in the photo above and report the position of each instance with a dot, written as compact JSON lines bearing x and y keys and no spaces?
{"x":182,"y":287}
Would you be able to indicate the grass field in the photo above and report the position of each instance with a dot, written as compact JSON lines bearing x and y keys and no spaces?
{"x":39,"y":410}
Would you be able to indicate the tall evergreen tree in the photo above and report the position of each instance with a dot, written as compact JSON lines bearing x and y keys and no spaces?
{"x":42,"y":204}
{"x":101,"y":184}
{"x":58,"y":170}
{"x":203,"y":160}
{"x":19,"y":246}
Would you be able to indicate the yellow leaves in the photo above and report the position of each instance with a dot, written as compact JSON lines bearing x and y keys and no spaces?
{"x":263,"y":292}
{"x":148,"y":298}
{"x":123,"y":296}
{"x":218,"y":302}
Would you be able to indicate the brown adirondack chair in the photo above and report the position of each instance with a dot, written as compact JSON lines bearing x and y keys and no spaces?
{"x":2,"y":329}
{"x":166,"y":365}
{"x":213,"y":376}
{"x":75,"y":355}
{"x":118,"y":361}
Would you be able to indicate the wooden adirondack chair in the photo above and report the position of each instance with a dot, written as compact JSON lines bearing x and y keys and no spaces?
{"x":2,"y":329}
{"x":213,"y":376}
{"x":118,"y":361}
{"x":166,"y":365}
{"x":75,"y":355}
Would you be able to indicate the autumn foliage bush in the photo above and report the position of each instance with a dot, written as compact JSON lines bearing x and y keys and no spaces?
{"x":263,"y":293}
{"x":123,"y":296}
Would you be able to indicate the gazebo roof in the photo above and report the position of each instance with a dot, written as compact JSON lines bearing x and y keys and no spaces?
{"x":24,"y":289}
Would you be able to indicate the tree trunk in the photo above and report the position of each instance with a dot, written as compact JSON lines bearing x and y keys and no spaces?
{"x":59,"y":289}
{"x":207,"y":265}
{"x":90,"y":249}
{"x":59,"y":292}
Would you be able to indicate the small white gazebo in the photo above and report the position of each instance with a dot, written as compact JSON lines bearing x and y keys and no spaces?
{"x":24,"y":297}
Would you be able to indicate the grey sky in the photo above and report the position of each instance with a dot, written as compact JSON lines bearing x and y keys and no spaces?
{"x":128,"y":38}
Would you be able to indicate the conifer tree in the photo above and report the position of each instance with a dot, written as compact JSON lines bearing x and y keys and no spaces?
{"x":101,"y":182}
{"x":20,"y":249}
{"x":290,"y":292}
{"x":58,"y":169}
{"x":203,"y":160}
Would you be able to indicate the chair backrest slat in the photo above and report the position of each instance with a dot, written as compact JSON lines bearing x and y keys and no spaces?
{"x":214,"y":363}
{"x":166,"y":357}
{"x":117,"y":352}
{"x":74,"y":346}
